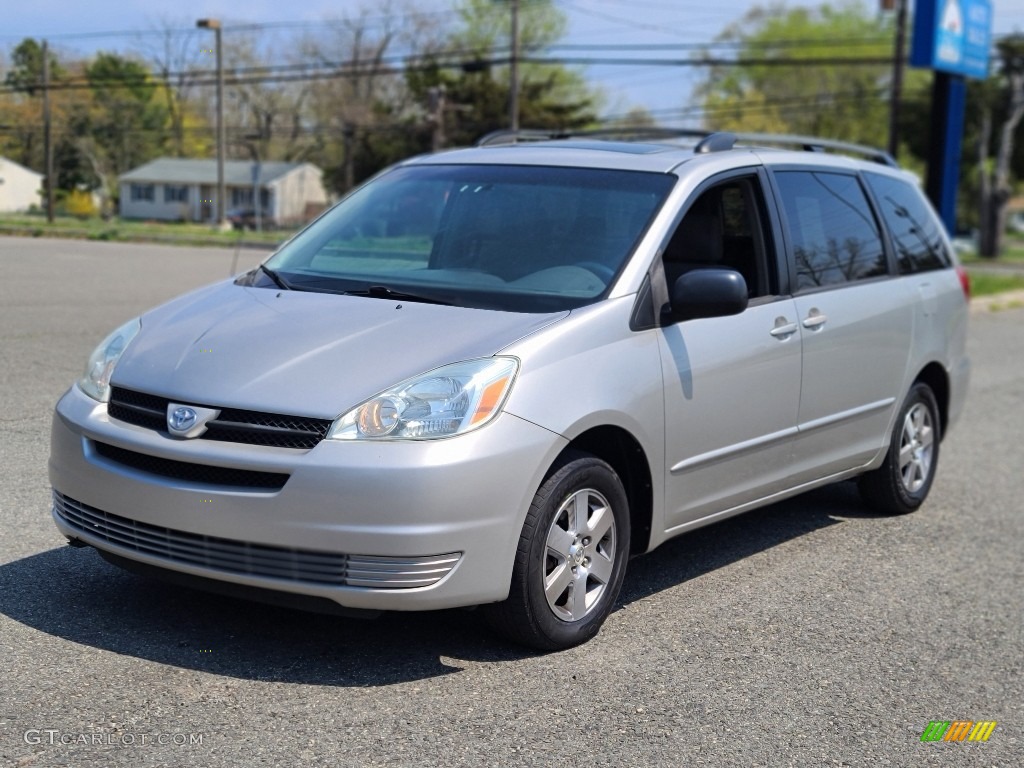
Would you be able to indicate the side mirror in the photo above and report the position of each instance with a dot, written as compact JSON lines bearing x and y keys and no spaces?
{"x":708,"y":293}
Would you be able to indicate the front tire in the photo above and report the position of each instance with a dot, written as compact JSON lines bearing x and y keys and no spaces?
{"x":571,"y":557}
{"x":902,"y":483}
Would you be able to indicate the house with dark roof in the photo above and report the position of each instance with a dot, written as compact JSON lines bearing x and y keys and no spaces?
{"x":178,"y":189}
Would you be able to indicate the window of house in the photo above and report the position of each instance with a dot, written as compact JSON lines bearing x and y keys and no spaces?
{"x":143,"y":192}
{"x":241,"y":197}
{"x":914,"y":228}
{"x":832,"y":230}
{"x":175,"y":193}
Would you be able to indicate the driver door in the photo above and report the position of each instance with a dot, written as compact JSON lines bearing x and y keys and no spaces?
{"x":732,"y":384}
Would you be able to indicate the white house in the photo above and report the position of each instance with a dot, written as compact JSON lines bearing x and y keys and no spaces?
{"x":20,"y":187}
{"x":179,"y":189}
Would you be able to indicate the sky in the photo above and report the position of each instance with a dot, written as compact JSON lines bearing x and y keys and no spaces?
{"x":644,"y":22}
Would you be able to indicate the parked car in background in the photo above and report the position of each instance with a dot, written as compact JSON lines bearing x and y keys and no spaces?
{"x":491,"y":376}
{"x":242,"y":218}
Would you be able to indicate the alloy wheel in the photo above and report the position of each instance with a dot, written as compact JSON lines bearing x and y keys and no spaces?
{"x":580,"y":555}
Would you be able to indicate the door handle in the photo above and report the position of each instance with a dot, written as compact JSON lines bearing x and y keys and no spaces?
{"x":783,"y":328}
{"x":815,"y":319}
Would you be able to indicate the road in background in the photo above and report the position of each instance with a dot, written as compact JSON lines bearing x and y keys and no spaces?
{"x":809,"y":633}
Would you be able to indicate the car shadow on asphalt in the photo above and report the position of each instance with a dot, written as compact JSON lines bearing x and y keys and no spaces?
{"x":73,"y":594}
{"x":715,"y":546}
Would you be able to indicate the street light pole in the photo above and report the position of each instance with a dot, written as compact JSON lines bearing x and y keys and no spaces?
{"x":47,"y":138}
{"x":214,"y":24}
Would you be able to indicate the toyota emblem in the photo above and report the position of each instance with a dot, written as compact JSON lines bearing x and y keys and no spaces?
{"x":181,"y":419}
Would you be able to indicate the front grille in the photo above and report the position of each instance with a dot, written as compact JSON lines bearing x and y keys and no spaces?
{"x":189,"y":472}
{"x":244,"y":558}
{"x":233,"y":425}
{"x":137,"y":408}
{"x":237,"y":426}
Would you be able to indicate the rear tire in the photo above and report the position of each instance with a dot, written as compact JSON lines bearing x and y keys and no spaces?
{"x":571,"y":557}
{"x":902,"y":483}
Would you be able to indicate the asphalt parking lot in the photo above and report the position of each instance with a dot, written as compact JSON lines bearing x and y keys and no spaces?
{"x":809,"y":633}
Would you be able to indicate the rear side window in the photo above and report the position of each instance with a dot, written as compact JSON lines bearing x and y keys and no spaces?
{"x":832,"y":230}
{"x":914,"y":228}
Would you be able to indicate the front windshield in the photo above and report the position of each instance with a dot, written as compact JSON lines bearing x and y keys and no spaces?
{"x":527,"y":239}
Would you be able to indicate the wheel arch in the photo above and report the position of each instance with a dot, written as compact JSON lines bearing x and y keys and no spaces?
{"x":623,"y":452}
{"x":936,"y":377}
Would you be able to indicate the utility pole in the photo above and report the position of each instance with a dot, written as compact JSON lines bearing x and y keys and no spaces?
{"x":897,"y":72}
{"x":47,"y":142}
{"x":214,"y":24}
{"x":348,"y":134}
{"x":256,"y":189}
{"x":513,"y":88}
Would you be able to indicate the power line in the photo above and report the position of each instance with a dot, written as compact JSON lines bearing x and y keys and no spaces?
{"x":423,"y":63}
{"x":725,"y":44}
{"x":817,"y":61}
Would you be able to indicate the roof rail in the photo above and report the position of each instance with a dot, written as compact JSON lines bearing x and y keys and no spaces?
{"x":710,"y":141}
{"x":510,"y":136}
{"x":815,"y":144}
{"x":640,"y":133}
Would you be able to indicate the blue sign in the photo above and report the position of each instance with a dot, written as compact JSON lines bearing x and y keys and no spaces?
{"x":952,"y":36}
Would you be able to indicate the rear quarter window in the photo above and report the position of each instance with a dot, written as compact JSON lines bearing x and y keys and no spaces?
{"x":915,"y":230}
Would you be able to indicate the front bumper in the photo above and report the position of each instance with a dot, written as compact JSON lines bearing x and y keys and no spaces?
{"x":398,"y":525}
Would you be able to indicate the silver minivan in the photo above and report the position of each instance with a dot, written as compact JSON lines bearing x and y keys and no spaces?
{"x":488,"y":377}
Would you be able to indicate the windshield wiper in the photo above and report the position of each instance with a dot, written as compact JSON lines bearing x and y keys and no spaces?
{"x":383,"y":292}
{"x":278,"y":280}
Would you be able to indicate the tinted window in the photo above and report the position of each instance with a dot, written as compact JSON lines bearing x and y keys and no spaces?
{"x":832,"y":231}
{"x":531,"y":239}
{"x":722,"y":228}
{"x":914,"y":228}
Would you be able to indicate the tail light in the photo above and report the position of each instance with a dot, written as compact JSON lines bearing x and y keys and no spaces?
{"x":965,"y":281}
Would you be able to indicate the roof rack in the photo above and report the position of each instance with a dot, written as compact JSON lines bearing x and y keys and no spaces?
{"x":710,"y":141}
{"x":640,"y":133}
{"x":809,"y":144}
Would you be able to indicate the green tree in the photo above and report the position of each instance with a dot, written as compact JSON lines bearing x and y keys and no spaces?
{"x":26,"y":70}
{"x":477,"y":96}
{"x":375,"y":121}
{"x":21,"y":108}
{"x":550,"y":96}
{"x":123,"y":125}
{"x":807,"y":96}
{"x":365,"y":118}
{"x":174,"y":59}
{"x":21,"y":115}
{"x":486,"y":26}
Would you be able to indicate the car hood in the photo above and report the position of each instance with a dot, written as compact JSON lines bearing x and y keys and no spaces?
{"x":301,"y":353}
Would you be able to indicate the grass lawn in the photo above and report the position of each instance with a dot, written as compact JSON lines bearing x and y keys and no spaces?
{"x":133,"y":231}
{"x":982,"y":283}
{"x":1013,"y":251}
{"x":986,"y":283}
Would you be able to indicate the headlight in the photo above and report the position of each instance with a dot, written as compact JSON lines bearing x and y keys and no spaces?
{"x":96,"y":380}
{"x":446,"y":401}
